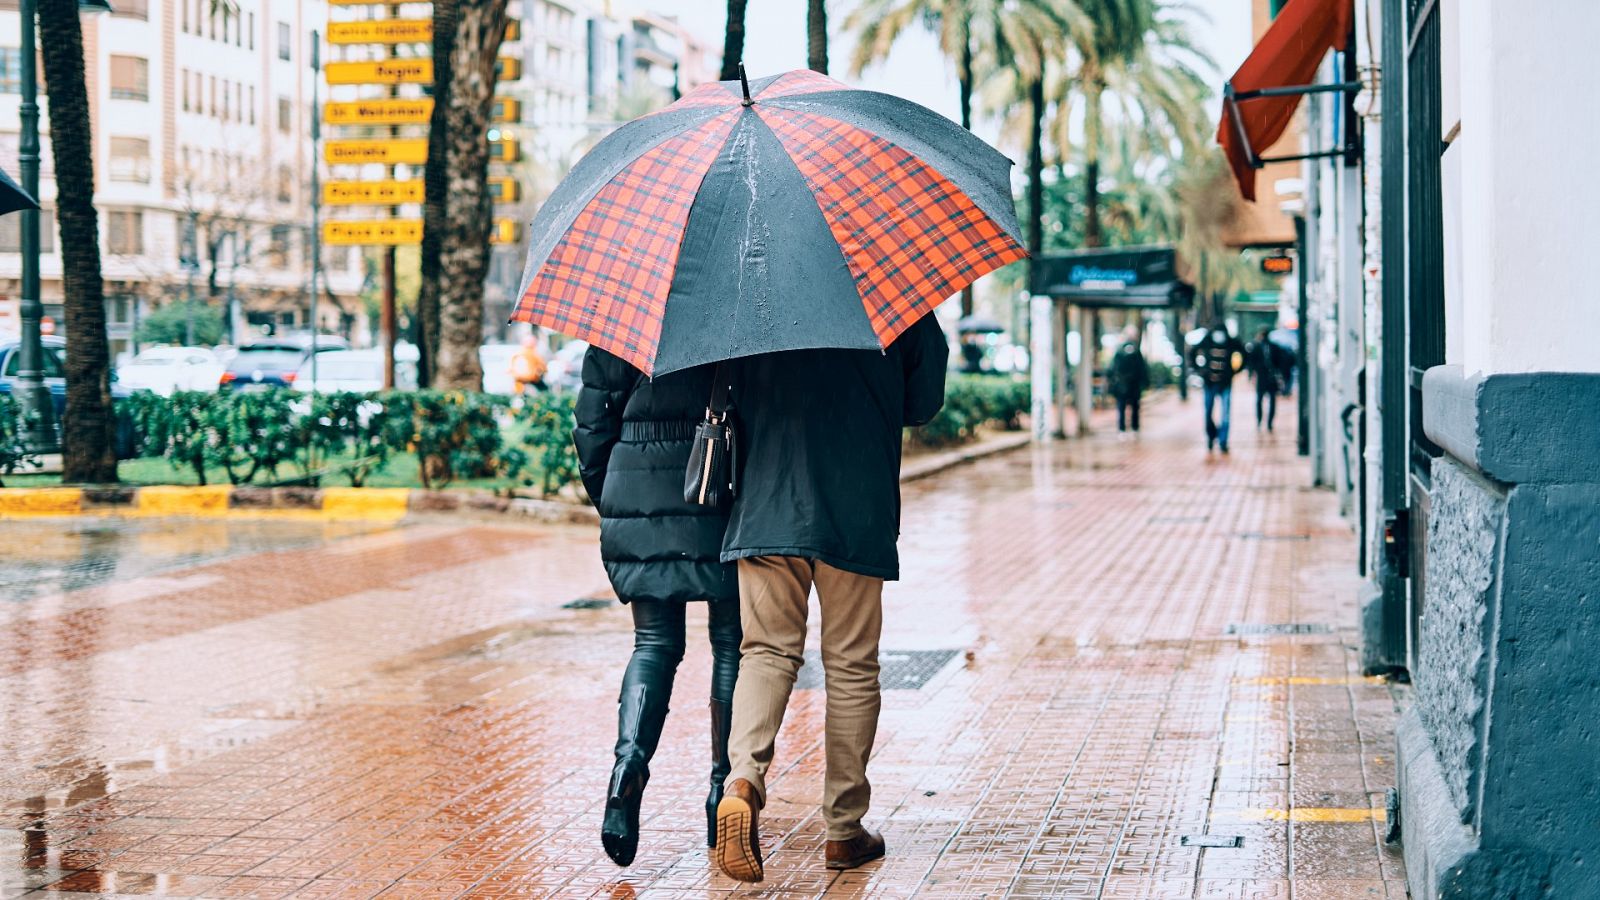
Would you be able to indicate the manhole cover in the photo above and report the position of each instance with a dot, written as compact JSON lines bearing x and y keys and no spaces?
{"x":899,"y":670}
{"x":588,"y":603}
{"x":1211,"y":840}
{"x":1279,"y":628}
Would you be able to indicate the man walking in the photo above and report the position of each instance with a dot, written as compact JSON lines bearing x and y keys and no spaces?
{"x":1129,"y":377}
{"x":1218,"y":358}
{"x":1264,"y":359}
{"x":818,"y":504}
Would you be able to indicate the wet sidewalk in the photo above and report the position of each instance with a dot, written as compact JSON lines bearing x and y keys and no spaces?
{"x":1114,"y":669}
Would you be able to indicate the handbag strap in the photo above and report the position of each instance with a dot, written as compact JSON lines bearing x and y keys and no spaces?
{"x":721,"y":392}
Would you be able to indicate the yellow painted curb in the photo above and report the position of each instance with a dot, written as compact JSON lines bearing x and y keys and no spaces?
{"x":380,"y":504}
{"x":51,"y":501}
{"x":1313,"y":814}
{"x":178,"y":500}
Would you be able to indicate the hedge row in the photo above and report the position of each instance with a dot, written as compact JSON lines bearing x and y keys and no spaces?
{"x":258,"y":435}
{"x":974,"y":400}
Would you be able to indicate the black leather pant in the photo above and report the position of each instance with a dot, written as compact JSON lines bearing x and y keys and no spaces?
{"x":658,"y":647}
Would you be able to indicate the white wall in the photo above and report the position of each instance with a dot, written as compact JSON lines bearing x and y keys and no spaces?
{"x":1529,"y":193}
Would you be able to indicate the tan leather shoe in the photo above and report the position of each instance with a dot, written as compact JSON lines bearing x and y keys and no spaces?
{"x":857,"y":851}
{"x":738,"y":850}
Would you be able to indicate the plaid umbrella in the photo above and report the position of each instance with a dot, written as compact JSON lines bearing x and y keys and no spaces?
{"x":801,"y":214}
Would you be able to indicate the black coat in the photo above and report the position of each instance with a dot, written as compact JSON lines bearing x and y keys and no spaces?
{"x":1129,"y":373}
{"x":633,"y":437}
{"x":819,"y":450}
{"x":1214,"y":359}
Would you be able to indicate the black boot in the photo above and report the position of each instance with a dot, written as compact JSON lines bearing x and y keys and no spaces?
{"x":721,"y":724}
{"x":620,"y":832}
{"x":641,"y":712}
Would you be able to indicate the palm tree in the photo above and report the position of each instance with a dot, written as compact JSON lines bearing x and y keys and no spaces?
{"x":817,"y":35}
{"x":1140,"y":56}
{"x":457,"y":213}
{"x":733,"y":41}
{"x":88,"y":425}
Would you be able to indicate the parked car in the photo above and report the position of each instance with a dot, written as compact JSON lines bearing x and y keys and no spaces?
{"x":262,"y":365}
{"x":356,"y":370}
{"x":496,"y":362}
{"x":163,"y":370}
{"x":55,"y":349}
{"x":566,"y":367}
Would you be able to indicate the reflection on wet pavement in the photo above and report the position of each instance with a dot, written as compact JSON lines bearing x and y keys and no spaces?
{"x":1127,"y":673}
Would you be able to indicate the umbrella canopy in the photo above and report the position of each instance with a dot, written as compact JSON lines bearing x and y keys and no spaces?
{"x":808,"y":215}
{"x":13,"y":197}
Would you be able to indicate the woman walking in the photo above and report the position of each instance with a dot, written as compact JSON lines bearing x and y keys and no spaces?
{"x":634,"y":436}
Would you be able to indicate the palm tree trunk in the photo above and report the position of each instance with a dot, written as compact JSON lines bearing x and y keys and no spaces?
{"x":817,"y":36}
{"x":1036,"y":166}
{"x":88,"y":425}
{"x":465,"y":90}
{"x":435,"y":195}
{"x":733,"y":41}
{"x":1092,"y":236}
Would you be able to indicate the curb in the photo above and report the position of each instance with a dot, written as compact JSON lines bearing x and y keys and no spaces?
{"x":358,"y":504}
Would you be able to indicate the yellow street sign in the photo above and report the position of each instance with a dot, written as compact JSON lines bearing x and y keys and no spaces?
{"x":513,"y":30}
{"x":355,"y":232}
{"x":506,"y":231}
{"x":389,"y":151}
{"x":368,"y":2}
{"x":378,"y":112}
{"x":371,"y":193}
{"x":505,"y":150}
{"x":508,"y":68}
{"x":386,"y":71}
{"x":381,"y":31}
{"x":507,"y":109}
{"x":505,"y":190}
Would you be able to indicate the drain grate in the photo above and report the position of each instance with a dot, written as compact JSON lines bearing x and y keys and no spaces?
{"x":1259,"y":536}
{"x":1279,"y":628}
{"x":1212,"y":840}
{"x":900,"y":670}
{"x":1178,"y":520}
{"x":588,"y":603}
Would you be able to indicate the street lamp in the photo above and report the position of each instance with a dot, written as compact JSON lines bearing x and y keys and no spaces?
{"x":38,"y":409}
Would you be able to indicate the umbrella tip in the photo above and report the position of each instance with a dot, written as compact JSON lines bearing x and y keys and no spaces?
{"x":745,"y":84}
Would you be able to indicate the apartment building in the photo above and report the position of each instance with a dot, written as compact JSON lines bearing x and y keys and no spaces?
{"x":201,"y":114}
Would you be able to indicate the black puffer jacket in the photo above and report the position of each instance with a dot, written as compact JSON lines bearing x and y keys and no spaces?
{"x":633,"y":437}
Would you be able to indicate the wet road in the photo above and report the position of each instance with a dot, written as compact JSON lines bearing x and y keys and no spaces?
{"x":1101,"y":652}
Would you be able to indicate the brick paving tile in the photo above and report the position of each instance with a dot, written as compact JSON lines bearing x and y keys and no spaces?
{"x":226,"y":709}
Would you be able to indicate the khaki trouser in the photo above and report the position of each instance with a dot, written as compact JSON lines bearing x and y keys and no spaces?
{"x":773,"y":591}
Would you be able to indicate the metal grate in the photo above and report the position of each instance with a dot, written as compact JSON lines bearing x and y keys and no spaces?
{"x":901,"y":670}
{"x":1279,"y":628}
{"x":1259,"y":536}
{"x":588,"y":603}
{"x":1211,"y":840}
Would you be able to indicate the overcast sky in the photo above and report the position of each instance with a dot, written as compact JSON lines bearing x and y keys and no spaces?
{"x":775,"y":41}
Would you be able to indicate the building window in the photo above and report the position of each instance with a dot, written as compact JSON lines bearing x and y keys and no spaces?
{"x":285,"y":40}
{"x":184,"y":25}
{"x":11,"y":232}
{"x":10,"y":70}
{"x":285,"y":114}
{"x":130,"y":78}
{"x":132,"y":9}
{"x":227,"y":101}
{"x":252,"y":104}
{"x":277,"y":245}
{"x":285,"y":184}
{"x":252,"y":33}
{"x":124,"y":232}
{"x":130,"y":159}
{"x":211,"y":107}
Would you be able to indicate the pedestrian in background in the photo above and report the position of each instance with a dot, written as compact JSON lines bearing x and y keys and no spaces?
{"x":633,"y":436}
{"x":1218,"y":357}
{"x":528,"y":368}
{"x":1129,"y":376}
{"x":818,"y":503}
{"x":1264,"y":360}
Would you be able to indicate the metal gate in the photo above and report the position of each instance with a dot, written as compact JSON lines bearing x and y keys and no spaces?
{"x":1424,"y":226}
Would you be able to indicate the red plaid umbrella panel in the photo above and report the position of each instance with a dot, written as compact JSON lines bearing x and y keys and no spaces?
{"x":813,"y":215}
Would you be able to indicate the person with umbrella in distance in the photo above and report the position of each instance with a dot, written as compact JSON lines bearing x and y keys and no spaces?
{"x":793,"y":235}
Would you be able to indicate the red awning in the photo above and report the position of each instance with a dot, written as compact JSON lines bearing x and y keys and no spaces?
{"x":1287,"y":57}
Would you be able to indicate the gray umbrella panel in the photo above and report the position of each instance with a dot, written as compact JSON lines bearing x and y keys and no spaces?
{"x":13,"y":197}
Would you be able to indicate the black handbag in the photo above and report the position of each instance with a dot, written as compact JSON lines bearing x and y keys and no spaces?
{"x":710,"y":479}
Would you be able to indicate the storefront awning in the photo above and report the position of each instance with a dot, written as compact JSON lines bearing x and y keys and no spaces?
{"x":1128,"y":278}
{"x":1260,"y":99}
